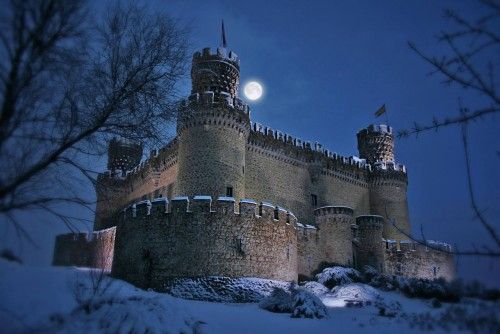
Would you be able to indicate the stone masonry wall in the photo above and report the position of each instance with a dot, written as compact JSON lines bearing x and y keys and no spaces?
{"x":411,"y":259}
{"x":152,"y":178}
{"x":212,"y":152}
{"x":335,"y":234}
{"x":196,"y":239}
{"x":93,"y":250}
{"x":388,"y":199}
{"x":280,"y":172}
{"x":309,"y":253}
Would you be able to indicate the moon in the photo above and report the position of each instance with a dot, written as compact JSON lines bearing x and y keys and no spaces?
{"x":253,"y":90}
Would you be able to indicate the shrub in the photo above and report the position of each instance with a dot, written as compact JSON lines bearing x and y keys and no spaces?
{"x":316,"y":288}
{"x":307,"y":305}
{"x":279,"y":301}
{"x":333,"y":276}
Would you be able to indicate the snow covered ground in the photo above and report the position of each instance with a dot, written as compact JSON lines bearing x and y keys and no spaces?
{"x":45,"y":300}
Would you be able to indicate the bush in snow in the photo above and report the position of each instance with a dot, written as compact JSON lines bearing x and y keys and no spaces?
{"x":307,"y":305}
{"x":421,"y":288}
{"x":279,"y":301}
{"x":356,"y":292}
{"x":224,"y":289}
{"x":334,"y":276}
{"x":372,"y":277}
{"x":316,"y":288}
{"x":300,"y":302}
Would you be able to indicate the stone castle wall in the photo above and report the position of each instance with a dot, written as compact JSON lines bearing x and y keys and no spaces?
{"x":388,"y":199}
{"x":196,"y":239}
{"x":309,"y":252}
{"x":153,"y":178}
{"x":280,"y":171}
{"x":410,"y":259}
{"x":212,"y":139}
{"x":92,"y":250}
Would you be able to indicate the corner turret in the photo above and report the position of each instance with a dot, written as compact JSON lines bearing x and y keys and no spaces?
{"x":387,"y":180}
{"x":123,"y":155}
{"x":370,"y":251}
{"x":376,"y":143}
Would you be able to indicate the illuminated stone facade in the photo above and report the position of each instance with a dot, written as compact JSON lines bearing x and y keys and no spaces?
{"x":174,"y":213}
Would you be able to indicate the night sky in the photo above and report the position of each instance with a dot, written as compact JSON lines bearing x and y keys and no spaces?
{"x":326,"y":67}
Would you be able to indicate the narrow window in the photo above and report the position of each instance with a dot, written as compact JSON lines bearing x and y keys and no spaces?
{"x":314,"y":200}
{"x":229,"y":191}
{"x":434,"y":269}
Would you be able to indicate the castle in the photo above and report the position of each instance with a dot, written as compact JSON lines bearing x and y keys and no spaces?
{"x":228,"y":197}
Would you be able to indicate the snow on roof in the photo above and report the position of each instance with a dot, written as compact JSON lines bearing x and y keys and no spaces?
{"x":310,"y":226}
{"x":202,"y":198}
{"x":334,"y":206}
{"x":267,"y":204}
{"x":160,"y":199}
{"x":226,"y":199}
{"x":147,"y":202}
{"x":248,"y":201}
{"x":282,"y":209}
{"x":365,"y":216}
{"x":180,"y":198}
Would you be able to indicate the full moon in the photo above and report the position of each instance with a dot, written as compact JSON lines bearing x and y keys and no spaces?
{"x":253,"y":90}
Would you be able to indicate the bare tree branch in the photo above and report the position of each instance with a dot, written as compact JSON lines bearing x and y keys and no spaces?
{"x":68,"y":86}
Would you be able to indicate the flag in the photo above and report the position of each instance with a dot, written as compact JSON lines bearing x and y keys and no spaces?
{"x":224,"y":43}
{"x":380,"y":111}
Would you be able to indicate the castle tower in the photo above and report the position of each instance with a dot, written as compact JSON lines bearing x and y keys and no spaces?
{"x":387,"y":180}
{"x":123,"y":155}
{"x":213,"y":127}
{"x":335,"y":236}
{"x":370,"y":251}
{"x":376,"y":143}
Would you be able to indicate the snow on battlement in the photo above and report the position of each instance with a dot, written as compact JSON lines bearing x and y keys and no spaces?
{"x":216,"y":53}
{"x":204,"y":204}
{"x":307,"y":145}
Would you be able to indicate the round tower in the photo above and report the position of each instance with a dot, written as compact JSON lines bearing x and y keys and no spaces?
{"x":335,"y":236}
{"x":123,"y":155}
{"x":370,"y":251}
{"x":388,"y":180}
{"x":213,"y":127}
{"x":376,"y":143}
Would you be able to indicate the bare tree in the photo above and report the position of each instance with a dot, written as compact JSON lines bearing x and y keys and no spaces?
{"x":68,"y":85}
{"x":471,"y":64}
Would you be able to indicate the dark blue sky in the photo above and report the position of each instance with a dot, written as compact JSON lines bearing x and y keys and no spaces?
{"x":327,"y":66}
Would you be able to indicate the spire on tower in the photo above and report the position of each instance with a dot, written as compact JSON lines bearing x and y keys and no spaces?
{"x":224,"y":42}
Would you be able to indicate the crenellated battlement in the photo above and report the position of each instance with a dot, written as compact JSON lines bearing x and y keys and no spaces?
{"x":208,"y":99}
{"x":93,"y":250}
{"x":370,"y":222}
{"x":158,"y":160}
{"x":413,"y":246}
{"x":197,"y":236}
{"x":263,"y":212}
{"x":431,"y":259}
{"x":295,"y":151}
{"x":376,"y":143}
{"x":382,"y":128}
{"x":388,"y":176}
{"x":333,"y":210}
{"x":211,"y":54}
